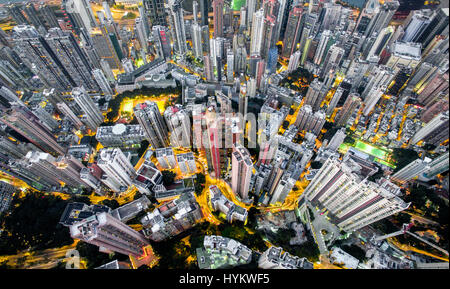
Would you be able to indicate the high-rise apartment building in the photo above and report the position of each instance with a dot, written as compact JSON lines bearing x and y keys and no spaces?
{"x":352,"y":201}
{"x":435,"y":132}
{"x":110,"y":234}
{"x":186,"y":163}
{"x":179,"y":125}
{"x":92,"y":116}
{"x":117,"y":168}
{"x":241,"y":171}
{"x":351,"y":104}
{"x":166,"y":158}
{"x":102,"y":82}
{"x":149,"y":117}
{"x":155,"y":11}
{"x":23,"y":121}
{"x":218,"y":17}
{"x":293,"y":31}
{"x":178,"y":28}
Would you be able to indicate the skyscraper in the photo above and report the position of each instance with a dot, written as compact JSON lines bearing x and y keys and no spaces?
{"x":336,"y":140}
{"x":315,"y":94}
{"x":435,"y":132}
{"x":104,"y":46}
{"x":72,"y":58}
{"x":80,"y":15}
{"x":351,"y":104}
{"x":152,"y":122}
{"x":218,"y":17}
{"x":438,"y":165}
{"x":119,"y":172}
{"x":32,"y":15}
{"x":141,"y":33}
{"x":53,"y":170}
{"x":197,"y":40}
{"x":323,"y":46}
{"x":155,"y":11}
{"x":241,"y":171}
{"x":102,"y":82}
{"x":29,"y":126}
{"x":230,"y":66}
{"x":38,"y":56}
{"x":110,"y":234}
{"x":162,"y":41}
{"x":292,"y":34}
{"x":16,"y":13}
{"x":92,"y":117}
{"x":179,"y":125}
{"x":353,"y":202}
{"x":48,"y":16}
{"x":204,"y":8}
{"x":294,"y":61}
{"x":176,"y":12}
{"x":372,"y":99}
{"x":382,"y":17}
{"x":411,"y":170}
{"x":257,"y":32}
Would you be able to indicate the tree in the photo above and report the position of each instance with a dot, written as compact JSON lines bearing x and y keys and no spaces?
{"x":355,"y":251}
{"x":34,"y":223}
{"x":168,"y":178}
{"x":349,"y":140}
{"x":113,"y":204}
{"x":94,"y":258}
{"x":137,"y":196}
{"x":199,"y":183}
{"x":316,"y":165}
{"x":403,"y":157}
{"x":80,"y":199}
{"x":144,"y":145}
{"x":429,"y":147}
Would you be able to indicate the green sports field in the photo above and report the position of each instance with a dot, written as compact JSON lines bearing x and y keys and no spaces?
{"x":371,"y":150}
{"x":237,"y":4}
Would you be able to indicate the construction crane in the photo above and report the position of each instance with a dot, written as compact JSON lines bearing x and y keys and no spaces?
{"x":405,"y":230}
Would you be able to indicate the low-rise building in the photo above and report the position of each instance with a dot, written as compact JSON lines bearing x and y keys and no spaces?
{"x":221,"y":203}
{"x":172,"y":218}
{"x":339,"y":256}
{"x":120,"y":135}
{"x":129,"y":211}
{"x":274,"y":258}
{"x":6,"y":195}
{"x":220,"y":252}
{"x":76,"y":212}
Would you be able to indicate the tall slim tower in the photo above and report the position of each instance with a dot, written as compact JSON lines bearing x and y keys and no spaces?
{"x":218,"y":17}
{"x":152,"y":122}
{"x":241,"y":171}
{"x":204,"y":7}
{"x":197,"y":40}
{"x":23,"y":121}
{"x":257,"y":32}
{"x":38,"y":56}
{"x":92,"y":117}
{"x":71,"y":57}
{"x":117,"y":168}
{"x":292,"y":34}
{"x":179,"y":125}
{"x":102,"y":82}
{"x":351,"y":104}
{"x":110,"y":234}
{"x":176,"y":12}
